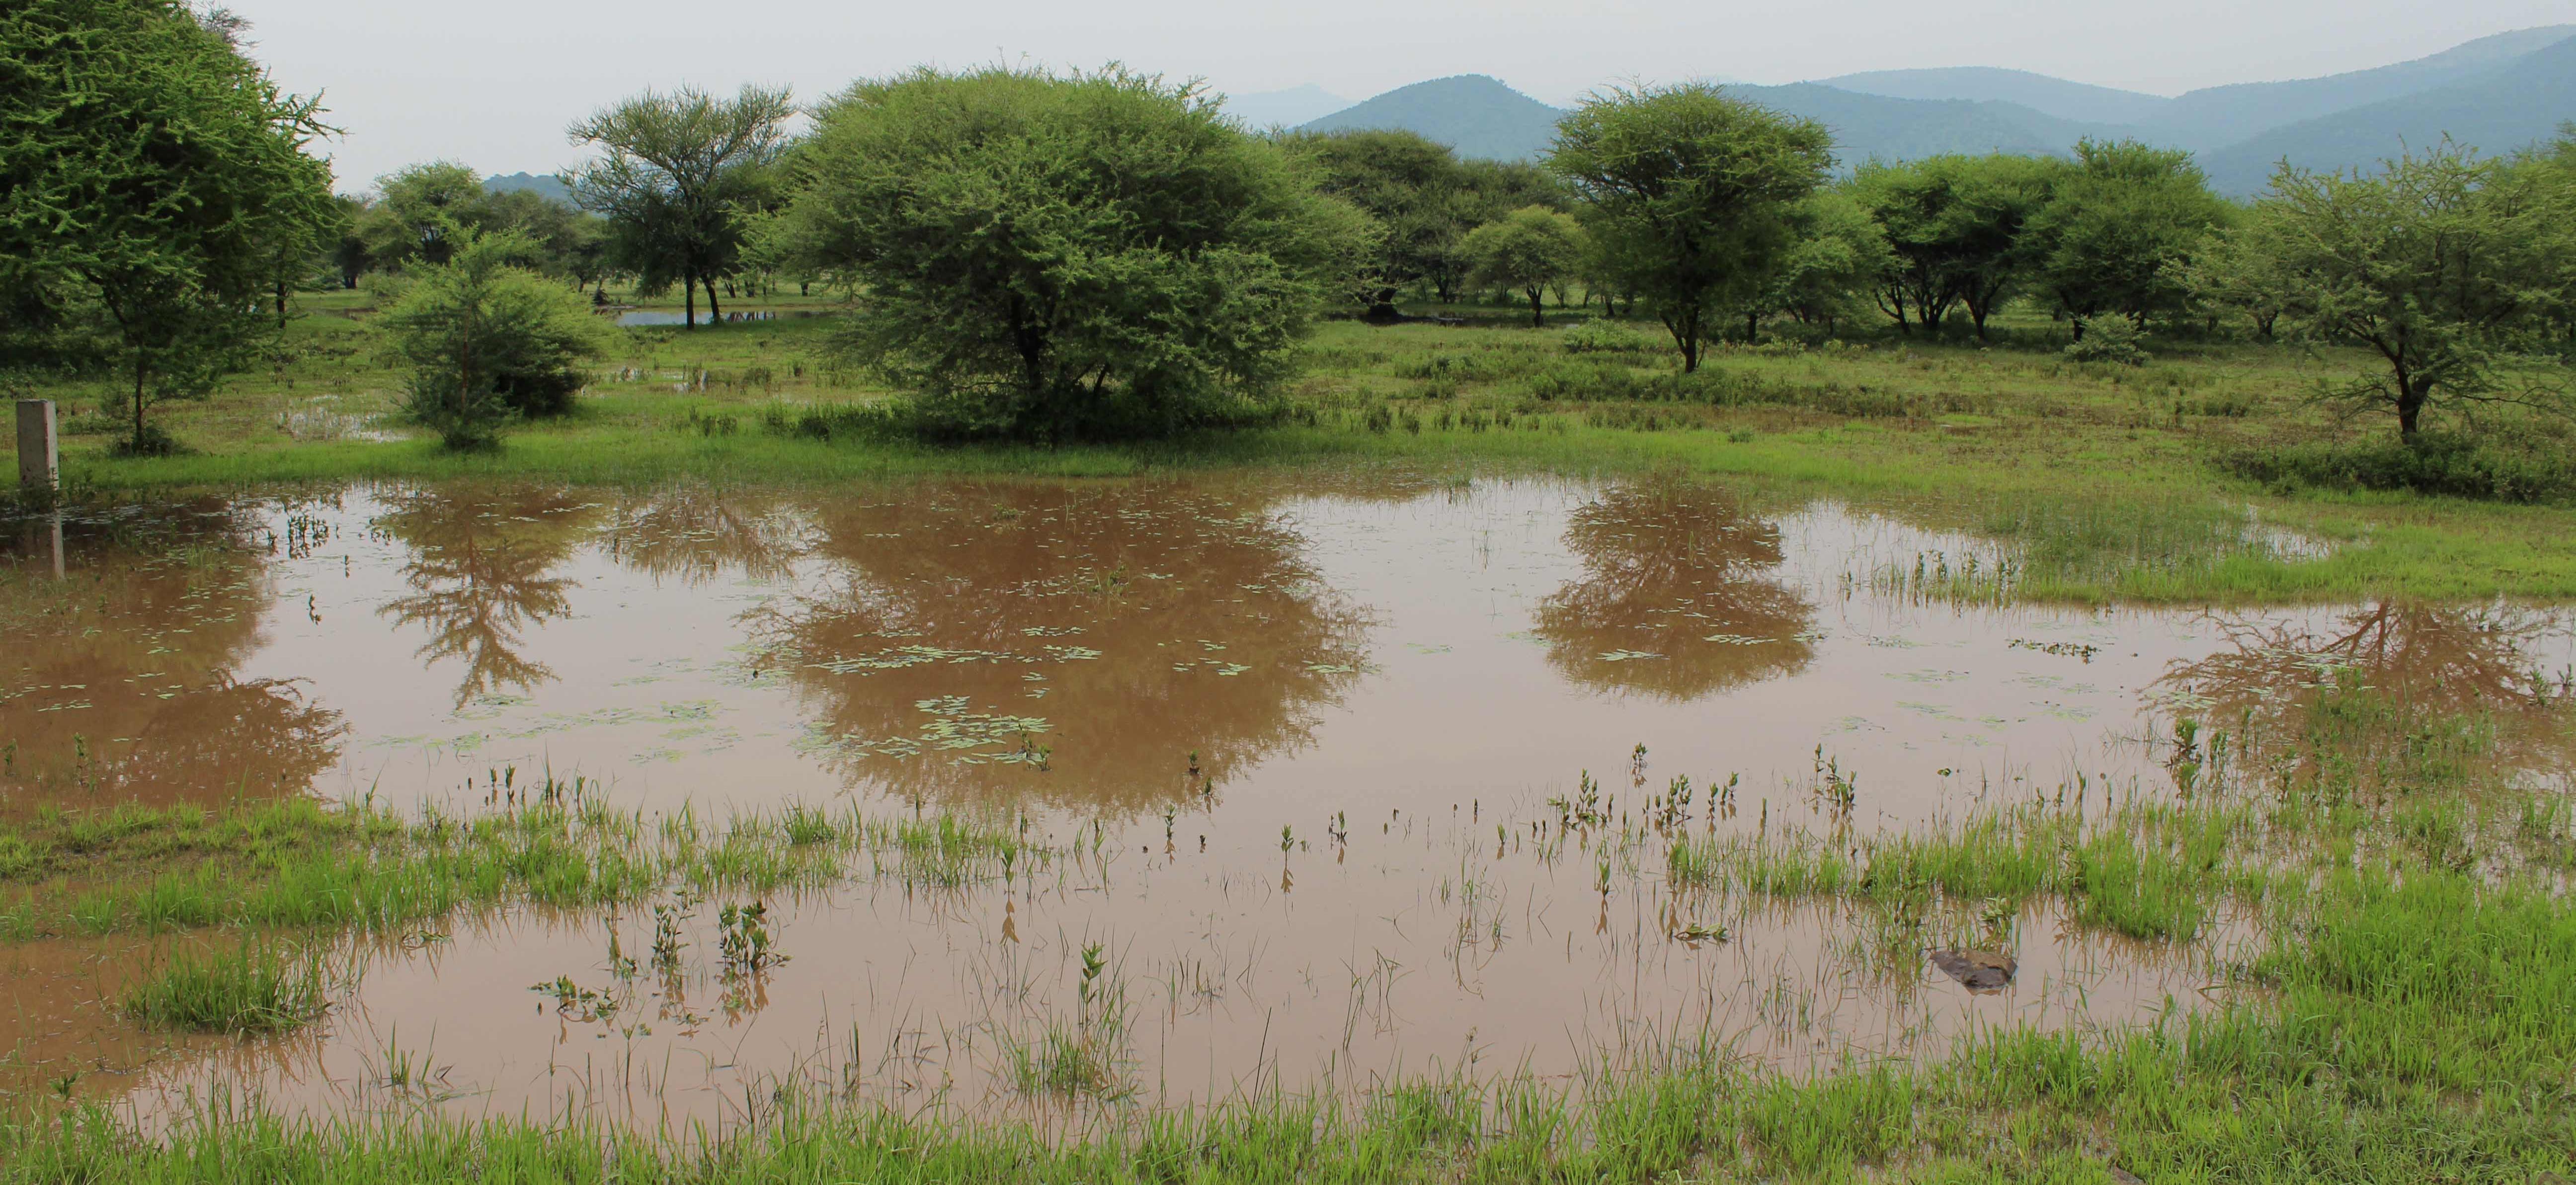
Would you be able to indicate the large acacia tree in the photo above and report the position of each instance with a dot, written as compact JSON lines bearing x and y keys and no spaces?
{"x":153,"y":184}
{"x":1087,"y":254}
{"x":2120,"y":231}
{"x":679,"y":179}
{"x":1691,"y":194}
{"x":1954,"y":231}
{"x":2441,"y":264}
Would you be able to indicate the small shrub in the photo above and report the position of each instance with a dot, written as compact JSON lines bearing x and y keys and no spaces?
{"x":148,"y":441}
{"x":2111,"y":340}
{"x":488,"y":342}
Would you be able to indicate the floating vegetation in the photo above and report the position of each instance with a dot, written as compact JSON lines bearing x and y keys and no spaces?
{"x":2078,"y":650}
{"x":955,"y":728}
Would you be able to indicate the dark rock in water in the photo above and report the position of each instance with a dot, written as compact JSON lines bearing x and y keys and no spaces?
{"x":1981,"y":970}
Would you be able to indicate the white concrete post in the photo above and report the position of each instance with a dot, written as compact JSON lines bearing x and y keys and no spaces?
{"x":39,"y":460}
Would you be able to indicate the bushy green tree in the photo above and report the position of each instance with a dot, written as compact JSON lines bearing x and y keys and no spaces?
{"x":419,"y":212}
{"x":154,"y":184}
{"x":2230,"y":272}
{"x":1418,"y":192}
{"x":348,"y":248}
{"x":1528,"y":249}
{"x":1086,"y":254}
{"x":1837,"y":258}
{"x":488,"y":341}
{"x":1490,"y":189}
{"x":2550,"y":171}
{"x":1954,"y":228}
{"x":2120,"y":229}
{"x":2440,"y":264}
{"x":556,"y":235}
{"x":680,"y":178}
{"x":1692,"y":194}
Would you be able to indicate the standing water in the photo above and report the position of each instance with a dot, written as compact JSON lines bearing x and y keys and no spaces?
{"x":1307,"y":783}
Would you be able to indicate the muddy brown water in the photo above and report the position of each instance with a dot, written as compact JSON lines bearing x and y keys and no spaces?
{"x":1400,"y":673}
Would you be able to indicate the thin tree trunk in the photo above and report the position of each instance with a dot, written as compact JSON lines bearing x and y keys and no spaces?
{"x":1538,"y":313}
{"x":715,"y":312}
{"x":689,"y":300}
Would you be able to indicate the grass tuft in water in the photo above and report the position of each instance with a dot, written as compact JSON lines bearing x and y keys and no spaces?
{"x":259,"y":987}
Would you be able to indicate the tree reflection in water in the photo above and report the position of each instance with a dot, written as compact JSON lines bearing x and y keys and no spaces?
{"x":119,"y":683}
{"x":2428,"y":664}
{"x":481,"y":574}
{"x":694,"y":535}
{"x":1076,"y":643}
{"x":1673,"y":603}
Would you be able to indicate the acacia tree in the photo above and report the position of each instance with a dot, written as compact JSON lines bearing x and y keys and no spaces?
{"x":1691,"y":192}
{"x":2121,"y":229}
{"x":2438,"y":263}
{"x":418,"y":213}
{"x":1839,"y":254}
{"x":1086,"y":254}
{"x":1954,"y":230}
{"x":679,"y":176}
{"x":1528,"y":249}
{"x":152,"y":180}
{"x":1416,"y":189}
{"x":421,"y":210}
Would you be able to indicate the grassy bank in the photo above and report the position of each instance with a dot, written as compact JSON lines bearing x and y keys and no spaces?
{"x":2109,"y":481}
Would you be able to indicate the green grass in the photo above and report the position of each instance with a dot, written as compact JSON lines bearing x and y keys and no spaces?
{"x":303,"y":865}
{"x":260,"y":987}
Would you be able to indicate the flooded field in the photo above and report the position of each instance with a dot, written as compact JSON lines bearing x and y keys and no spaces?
{"x":1147,"y":792}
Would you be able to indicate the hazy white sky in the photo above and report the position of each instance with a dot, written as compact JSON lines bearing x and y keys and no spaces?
{"x":494,"y":82}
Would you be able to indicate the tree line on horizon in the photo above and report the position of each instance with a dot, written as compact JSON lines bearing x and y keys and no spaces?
{"x":1105,"y":254}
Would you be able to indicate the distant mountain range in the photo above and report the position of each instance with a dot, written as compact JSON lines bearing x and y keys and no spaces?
{"x":2497,"y":93}
{"x":545,"y":185}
